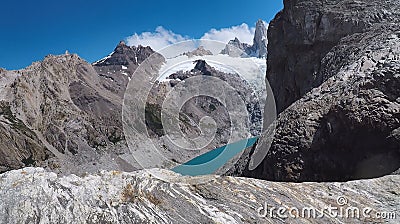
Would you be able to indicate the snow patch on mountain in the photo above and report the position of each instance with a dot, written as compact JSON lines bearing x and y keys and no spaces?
{"x":251,"y":69}
{"x":103,"y":59}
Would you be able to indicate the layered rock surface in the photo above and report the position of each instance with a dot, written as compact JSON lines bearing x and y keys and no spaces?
{"x":305,"y":31}
{"x":32,"y":195}
{"x":334,"y":68}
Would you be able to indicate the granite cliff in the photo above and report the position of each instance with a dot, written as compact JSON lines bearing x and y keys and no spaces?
{"x":334,"y":69}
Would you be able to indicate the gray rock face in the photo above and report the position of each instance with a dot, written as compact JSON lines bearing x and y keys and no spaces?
{"x":32,"y":195}
{"x":346,"y":126}
{"x":19,"y":145}
{"x":303,"y":33}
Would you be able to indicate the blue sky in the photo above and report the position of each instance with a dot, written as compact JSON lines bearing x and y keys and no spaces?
{"x":30,"y":30}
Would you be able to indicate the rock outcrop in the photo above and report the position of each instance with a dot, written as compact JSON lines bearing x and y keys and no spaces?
{"x":305,"y":31}
{"x":32,"y":195}
{"x":334,"y":68}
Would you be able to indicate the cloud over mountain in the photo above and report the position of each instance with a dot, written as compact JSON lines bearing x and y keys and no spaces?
{"x":162,"y":37}
{"x":156,"y":40}
{"x":243,"y":32}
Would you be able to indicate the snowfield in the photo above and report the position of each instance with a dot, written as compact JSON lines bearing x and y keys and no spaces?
{"x":251,"y":69}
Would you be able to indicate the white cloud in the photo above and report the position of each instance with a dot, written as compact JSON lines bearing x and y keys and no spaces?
{"x":156,"y":40}
{"x":163,"y":37}
{"x":243,"y":32}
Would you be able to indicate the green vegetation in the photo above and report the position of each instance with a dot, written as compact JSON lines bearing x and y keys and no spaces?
{"x":130,"y":195}
{"x":114,"y":137}
{"x":17,"y":124}
{"x":212,"y":107}
{"x":29,"y":161}
{"x":153,"y":118}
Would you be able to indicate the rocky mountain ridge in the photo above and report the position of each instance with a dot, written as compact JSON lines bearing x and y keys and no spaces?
{"x":65,"y":114}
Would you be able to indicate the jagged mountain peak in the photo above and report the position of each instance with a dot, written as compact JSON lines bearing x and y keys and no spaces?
{"x":260,"y":25}
{"x":202,"y":66}
{"x":200,"y":51}
{"x":260,"y":37}
{"x":121,"y":43}
{"x":121,"y":48}
{"x":236,"y":40}
{"x":236,"y":48}
{"x":62,"y":60}
{"x":124,"y":55}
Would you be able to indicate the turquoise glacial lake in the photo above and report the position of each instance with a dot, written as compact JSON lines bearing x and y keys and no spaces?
{"x":211,"y":161}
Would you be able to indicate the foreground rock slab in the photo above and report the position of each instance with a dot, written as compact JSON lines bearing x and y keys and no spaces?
{"x":33,"y":195}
